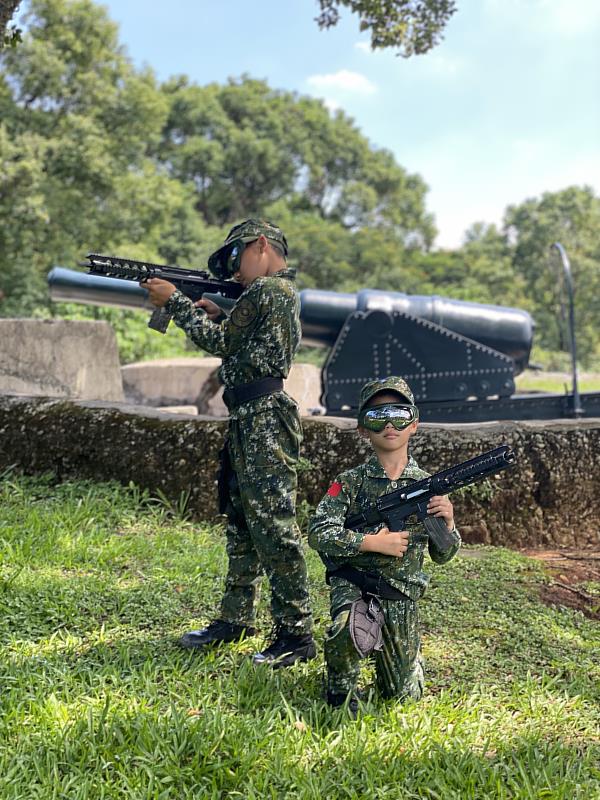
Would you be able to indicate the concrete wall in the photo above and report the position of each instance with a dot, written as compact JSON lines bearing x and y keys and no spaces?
{"x":548,"y":499}
{"x":80,"y":360}
{"x":193,"y":382}
{"x":59,"y":358}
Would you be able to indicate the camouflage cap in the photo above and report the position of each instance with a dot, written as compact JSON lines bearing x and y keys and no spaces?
{"x":247,"y":231}
{"x":251,"y":229}
{"x":390,"y":384}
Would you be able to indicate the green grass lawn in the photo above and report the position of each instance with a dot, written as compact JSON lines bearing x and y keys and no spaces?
{"x":96,"y":584}
{"x":542,"y":381}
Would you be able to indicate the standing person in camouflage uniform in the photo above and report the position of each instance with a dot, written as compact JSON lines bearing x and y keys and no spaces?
{"x":388,"y":417}
{"x":258,"y":484}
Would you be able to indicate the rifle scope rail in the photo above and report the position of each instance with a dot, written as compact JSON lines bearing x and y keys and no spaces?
{"x":130,"y":270}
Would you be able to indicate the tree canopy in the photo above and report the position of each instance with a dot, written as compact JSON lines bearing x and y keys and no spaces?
{"x":245,"y":146}
{"x":96,"y":155}
{"x":411,"y":26}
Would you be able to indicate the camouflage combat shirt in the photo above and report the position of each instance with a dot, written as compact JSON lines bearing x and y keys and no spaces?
{"x":260,"y":337}
{"x":354,"y":491}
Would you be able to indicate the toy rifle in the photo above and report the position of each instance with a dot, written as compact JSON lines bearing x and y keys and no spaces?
{"x":193,"y":283}
{"x":394,"y":508}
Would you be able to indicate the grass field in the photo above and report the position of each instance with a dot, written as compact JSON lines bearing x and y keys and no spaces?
{"x":96,"y":584}
{"x":541,"y":381}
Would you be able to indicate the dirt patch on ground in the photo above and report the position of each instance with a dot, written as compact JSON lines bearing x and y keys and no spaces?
{"x":574,"y":579}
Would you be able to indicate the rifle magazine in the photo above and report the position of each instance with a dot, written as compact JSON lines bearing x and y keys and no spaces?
{"x":439,"y":534}
{"x":159,"y":321}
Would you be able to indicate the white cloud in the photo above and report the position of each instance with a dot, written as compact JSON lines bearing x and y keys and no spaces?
{"x":364,"y":46}
{"x":331,"y":105}
{"x":465,"y":189}
{"x":571,"y":17}
{"x":343,"y":81}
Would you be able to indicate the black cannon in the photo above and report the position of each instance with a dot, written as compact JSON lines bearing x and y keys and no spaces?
{"x":460,"y":358}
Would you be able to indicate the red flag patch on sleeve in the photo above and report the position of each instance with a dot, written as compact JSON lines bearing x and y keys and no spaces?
{"x":334,"y":489}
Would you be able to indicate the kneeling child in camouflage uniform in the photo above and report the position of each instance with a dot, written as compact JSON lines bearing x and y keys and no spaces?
{"x":384,"y":622}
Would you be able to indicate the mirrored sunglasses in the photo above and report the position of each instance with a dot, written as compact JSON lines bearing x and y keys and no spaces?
{"x":377,"y":417}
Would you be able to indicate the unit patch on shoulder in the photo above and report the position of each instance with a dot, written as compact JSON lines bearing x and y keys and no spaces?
{"x":244,"y":313}
{"x":334,"y":489}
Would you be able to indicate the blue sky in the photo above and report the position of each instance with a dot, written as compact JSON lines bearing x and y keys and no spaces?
{"x":507,"y":107}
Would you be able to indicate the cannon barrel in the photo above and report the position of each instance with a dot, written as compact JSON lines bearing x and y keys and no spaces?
{"x":70,"y":286}
{"x":507,"y":330}
{"x":323,"y":313}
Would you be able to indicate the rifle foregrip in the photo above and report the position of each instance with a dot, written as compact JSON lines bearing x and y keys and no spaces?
{"x":438,"y":533}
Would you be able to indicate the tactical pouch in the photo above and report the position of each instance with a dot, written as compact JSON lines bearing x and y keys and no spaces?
{"x":366,"y":622}
{"x":223,"y":477}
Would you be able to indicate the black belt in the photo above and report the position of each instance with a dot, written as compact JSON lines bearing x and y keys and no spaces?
{"x":367,"y":582}
{"x":250,"y":391}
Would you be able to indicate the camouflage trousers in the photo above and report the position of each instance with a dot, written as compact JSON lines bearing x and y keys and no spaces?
{"x":398,"y":666}
{"x":262,"y":534}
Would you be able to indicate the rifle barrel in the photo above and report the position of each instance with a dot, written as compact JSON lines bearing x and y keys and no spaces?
{"x":448,"y":480}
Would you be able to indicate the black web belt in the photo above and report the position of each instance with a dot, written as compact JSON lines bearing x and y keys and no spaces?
{"x":367,"y":582}
{"x":250,"y":391}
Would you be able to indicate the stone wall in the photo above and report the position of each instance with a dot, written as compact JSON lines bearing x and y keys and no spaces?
{"x":548,"y":499}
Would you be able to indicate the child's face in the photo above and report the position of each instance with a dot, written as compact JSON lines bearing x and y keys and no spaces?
{"x":254,"y":263}
{"x":389,"y":440}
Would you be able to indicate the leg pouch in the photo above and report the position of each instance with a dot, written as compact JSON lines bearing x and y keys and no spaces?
{"x":366,"y":622}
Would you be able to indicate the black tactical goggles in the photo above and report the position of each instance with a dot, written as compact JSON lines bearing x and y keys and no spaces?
{"x":226,"y":261}
{"x":376,"y":418}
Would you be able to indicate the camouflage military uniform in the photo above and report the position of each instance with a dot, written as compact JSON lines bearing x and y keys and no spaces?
{"x":259,"y":340}
{"x":398,"y":665}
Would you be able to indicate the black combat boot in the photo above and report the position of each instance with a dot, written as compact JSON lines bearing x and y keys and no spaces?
{"x":215,"y":633}
{"x":336,"y":700}
{"x":286,"y":649}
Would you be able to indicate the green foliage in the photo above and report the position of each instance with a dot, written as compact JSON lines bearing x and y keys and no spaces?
{"x":96,"y":155}
{"x":245,"y":146}
{"x":12,"y":36}
{"x":77,"y":123}
{"x":312,"y":355}
{"x":98,"y":581}
{"x":411,"y":26}
{"x":136,"y":342}
{"x":571,"y":217}
{"x":516,"y":266}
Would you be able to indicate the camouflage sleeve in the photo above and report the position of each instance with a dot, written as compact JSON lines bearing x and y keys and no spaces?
{"x":443,"y":556}
{"x":275,"y":303}
{"x":228,"y":335}
{"x":196,"y":325}
{"x":326,"y":532}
